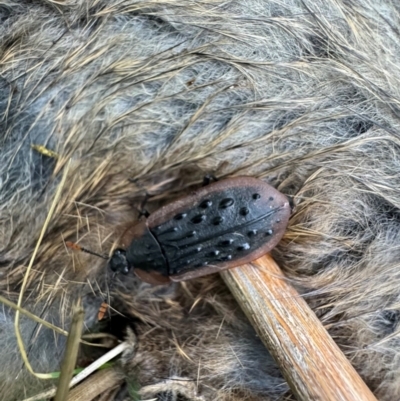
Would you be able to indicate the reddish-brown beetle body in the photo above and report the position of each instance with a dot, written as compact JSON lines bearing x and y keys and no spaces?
{"x":220,"y":226}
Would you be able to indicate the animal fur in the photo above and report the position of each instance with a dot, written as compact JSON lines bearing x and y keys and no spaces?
{"x":145,"y":96}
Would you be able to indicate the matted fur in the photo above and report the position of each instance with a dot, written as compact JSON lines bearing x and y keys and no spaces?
{"x":148,"y":95}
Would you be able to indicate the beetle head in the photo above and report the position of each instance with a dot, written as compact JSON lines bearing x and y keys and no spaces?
{"x":118,"y":262}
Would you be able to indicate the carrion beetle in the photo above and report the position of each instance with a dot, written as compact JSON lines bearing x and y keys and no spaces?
{"x":217,"y":227}
{"x":223,"y":225}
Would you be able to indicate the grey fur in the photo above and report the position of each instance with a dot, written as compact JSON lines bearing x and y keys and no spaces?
{"x":303,"y":94}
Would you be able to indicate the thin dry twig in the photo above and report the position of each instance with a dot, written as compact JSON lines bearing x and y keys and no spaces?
{"x":25,"y":281}
{"x":104,"y":383}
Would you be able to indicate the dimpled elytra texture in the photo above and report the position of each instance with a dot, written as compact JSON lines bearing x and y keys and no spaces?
{"x":223,"y":225}
{"x":149,"y":96}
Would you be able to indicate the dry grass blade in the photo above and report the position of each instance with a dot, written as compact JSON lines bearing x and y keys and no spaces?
{"x":313,"y":365}
{"x":35,"y":318}
{"x":70,"y":355}
{"x":44,"y":151}
{"x":57,"y":329}
{"x":21,"y":294}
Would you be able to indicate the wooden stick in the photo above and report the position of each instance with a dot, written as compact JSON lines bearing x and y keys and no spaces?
{"x":313,"y":365}
{"x":100,"y":382}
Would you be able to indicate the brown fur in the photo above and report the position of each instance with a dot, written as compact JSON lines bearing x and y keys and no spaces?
{"x":147,"y":96}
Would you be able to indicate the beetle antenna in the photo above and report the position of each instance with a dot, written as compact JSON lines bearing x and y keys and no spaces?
{"x":77,"y":247}
{"x":104,"y":305}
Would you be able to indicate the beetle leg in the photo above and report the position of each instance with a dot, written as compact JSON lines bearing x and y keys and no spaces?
{"x":291,"y":202}
{"x":208,"y":178}
{"x":142,"y":210}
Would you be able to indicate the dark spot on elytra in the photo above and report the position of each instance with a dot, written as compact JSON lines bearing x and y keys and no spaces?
{"x":217,"y":220}
{"x":256,"y":196}
{"x":226,"y":242}
{"x":170,"y":230}
{"x":198,"y":219}
{"x":269,"y":232}
{"x":214,"y":253}
{"x":205,"y":204}
{"x":271,"y":198}
{"x":180,"y":216}
{"x":243,"y":247}
{"x":225,"y":203}
{"x":191,"y":234}
{"x":227,"y":257}
{"x":244,"y":211}
{"x":252,"y":233}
